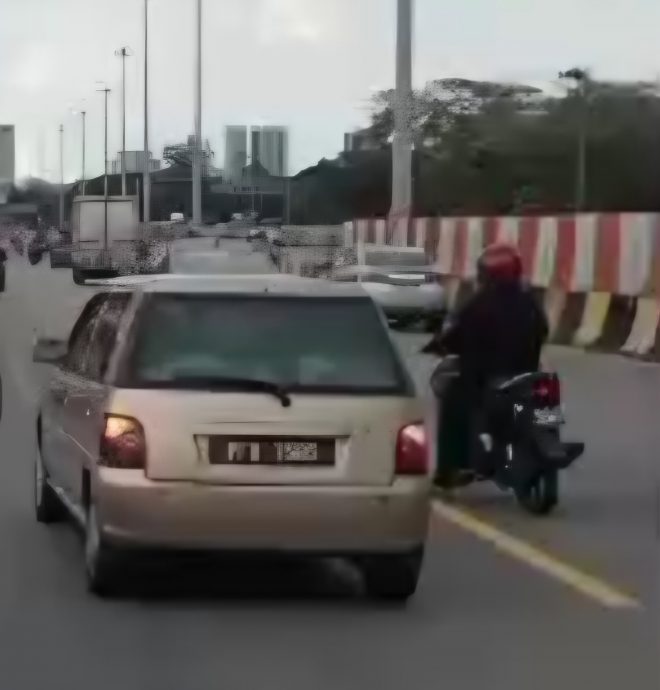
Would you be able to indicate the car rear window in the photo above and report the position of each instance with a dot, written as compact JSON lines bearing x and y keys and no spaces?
{"x":304,"y":344}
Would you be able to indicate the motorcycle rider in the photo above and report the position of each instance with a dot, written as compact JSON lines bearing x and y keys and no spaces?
{"x":498,"y":333}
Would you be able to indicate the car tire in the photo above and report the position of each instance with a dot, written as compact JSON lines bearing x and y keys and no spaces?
{"x":79,"y":276}
{"x":3,"y":277}
{"x":48,"y":507}
{"x":392,"y":577}
{"x":100,"y":558}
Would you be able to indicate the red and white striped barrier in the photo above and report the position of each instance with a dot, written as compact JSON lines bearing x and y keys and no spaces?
{"x":604,"y":256}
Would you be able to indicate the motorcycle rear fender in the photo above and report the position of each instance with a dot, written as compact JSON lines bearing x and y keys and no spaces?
{"x":554,"y":451}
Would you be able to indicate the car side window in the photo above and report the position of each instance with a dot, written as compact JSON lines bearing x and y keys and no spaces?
{"x":80,"y":337}
{"x":104,"y":334}
{"x":94,"y":335}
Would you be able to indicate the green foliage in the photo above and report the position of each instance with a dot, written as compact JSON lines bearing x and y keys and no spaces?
{"x":502,"y":148}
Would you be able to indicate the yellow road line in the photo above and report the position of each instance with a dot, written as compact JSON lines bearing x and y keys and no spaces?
{"x":593,"y":588}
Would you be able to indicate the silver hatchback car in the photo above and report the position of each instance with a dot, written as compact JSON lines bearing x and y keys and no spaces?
{"x":237,"y":413}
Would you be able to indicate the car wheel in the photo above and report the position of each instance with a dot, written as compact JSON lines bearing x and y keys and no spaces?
{"x":48,"y":507}
{"x":3,"y":274}
{"x":392,"y":577}
{"x":100,"y":558}
{"x":79,"y":276}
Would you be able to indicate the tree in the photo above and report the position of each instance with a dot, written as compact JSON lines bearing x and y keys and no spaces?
{"x":483,"y":148}
{"x":497,"y":148}
{"x":435,"y":109}
{"x":182,"y":154}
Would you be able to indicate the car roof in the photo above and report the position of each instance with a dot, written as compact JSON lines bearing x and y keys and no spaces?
{"x":278,"y":284}
{"x":384,"y":270}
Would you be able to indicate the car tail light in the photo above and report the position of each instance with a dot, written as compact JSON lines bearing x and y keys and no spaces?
{"x":412,"y":451}
{"x":547,"y":391}
{"x":123,"y":444}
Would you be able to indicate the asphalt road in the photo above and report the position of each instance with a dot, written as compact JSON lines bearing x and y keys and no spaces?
{"x":483,"y":618}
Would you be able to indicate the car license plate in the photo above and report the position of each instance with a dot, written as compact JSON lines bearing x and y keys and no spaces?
{"x":271,"y":451}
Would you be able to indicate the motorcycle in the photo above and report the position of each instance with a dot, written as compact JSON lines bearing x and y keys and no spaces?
{"x":516,"y":436}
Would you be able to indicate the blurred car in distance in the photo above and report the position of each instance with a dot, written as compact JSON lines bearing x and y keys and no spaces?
{"x":407,"y":294}
{"x":243,"y":413}
{"x":257,"y":234}
{"x":200,"y":257}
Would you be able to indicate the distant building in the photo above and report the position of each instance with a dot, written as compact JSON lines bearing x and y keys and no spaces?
{"x":270,"y":148}
{"x":360,"y":140}
{"x":235,"y":151}
{"x":184,"y":154}
{"x":7,"y":157}
{"x":26,"y":214}
{"x":134,"y":163}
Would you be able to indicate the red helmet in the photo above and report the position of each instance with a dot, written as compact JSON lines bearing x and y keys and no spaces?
{"x":500,"y":263}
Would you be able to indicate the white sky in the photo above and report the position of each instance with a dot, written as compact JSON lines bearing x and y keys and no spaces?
{"x":308,"y":64}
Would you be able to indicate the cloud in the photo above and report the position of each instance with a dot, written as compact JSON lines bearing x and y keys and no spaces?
{"x":283,"y":21}
{"x":34,"y":68}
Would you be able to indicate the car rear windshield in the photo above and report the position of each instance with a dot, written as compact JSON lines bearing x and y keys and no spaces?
{"x":304,"y":344}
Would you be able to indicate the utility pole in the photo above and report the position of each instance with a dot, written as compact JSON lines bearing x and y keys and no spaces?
{"x":402,"y":142}
{"x":105,"y":91}
{"x":123,"y":53}
{"x":61,"y":178}
{"x":197,"y":152}
{"x":581,"y":78}
{"x":83,"y":114}
{"x":581,"y":172}
{"x":146,"y":174}
{"x":84,"y":137}
{"x":287,"y":215}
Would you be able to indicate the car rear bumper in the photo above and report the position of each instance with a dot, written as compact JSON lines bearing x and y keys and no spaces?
{"x":121,"y":256}
{"x":135,"y":511}
{"x":421,"y":311}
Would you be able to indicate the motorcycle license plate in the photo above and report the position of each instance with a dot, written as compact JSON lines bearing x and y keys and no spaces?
{"x":545,"y":416}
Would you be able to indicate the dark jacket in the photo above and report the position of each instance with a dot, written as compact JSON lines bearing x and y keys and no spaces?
{"x":499,"y":332}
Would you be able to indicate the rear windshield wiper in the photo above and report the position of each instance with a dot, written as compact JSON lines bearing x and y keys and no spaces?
{"x":247,"y":384}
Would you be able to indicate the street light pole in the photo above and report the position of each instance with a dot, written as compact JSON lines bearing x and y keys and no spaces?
{"x":61,"y":218}
{"x":105,"y":92}
{"x":402,"y":142}
{"x":123,"y":52}
{"x":146,"y":174}
{"x":581,"y":173}
{"x":197,"y":152}
{"x":581,"y":78}
{"x":84,"y":135}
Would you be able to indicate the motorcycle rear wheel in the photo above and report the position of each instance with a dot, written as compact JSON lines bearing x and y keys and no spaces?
{"x":540,"y":495}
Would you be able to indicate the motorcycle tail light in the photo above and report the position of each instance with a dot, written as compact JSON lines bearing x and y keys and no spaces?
{"x":547,"y":391}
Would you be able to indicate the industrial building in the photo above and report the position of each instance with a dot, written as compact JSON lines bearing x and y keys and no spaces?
{"x":134,"y":162}
{"x":270,"y":148}
{"x":236,"y":151}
